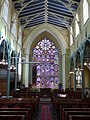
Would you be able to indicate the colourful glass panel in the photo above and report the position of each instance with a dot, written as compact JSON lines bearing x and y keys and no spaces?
{"x":46,"y":53}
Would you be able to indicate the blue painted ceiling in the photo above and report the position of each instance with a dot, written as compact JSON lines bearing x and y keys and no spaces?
{"x":56,"y":12}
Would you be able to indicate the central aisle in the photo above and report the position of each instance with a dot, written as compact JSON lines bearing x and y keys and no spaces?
{"x":45,"y":111}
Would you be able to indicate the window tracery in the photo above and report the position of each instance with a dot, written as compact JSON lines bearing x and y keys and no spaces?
{"x":47,"y":74}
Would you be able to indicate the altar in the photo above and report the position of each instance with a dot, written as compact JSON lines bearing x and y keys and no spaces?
{"x":45,"y":92}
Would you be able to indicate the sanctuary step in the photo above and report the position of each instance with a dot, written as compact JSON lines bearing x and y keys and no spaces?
{"x":45,"y":99}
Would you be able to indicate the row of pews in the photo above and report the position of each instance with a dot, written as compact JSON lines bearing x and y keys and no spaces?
{"x":18,"y":108}
{"x":71,"y":108}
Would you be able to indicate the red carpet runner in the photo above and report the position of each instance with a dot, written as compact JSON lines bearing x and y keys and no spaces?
{"x":45,"y":114}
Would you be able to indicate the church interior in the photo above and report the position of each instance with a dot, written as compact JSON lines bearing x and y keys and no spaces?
{"x":45,"y":59}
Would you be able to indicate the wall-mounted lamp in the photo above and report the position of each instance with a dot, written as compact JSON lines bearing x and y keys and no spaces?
{"x":71,"y":72}
{"x":87,"y":63}
{"x":12,"y":67}
{"x":78,"y":69}
{"x":3,"y":62}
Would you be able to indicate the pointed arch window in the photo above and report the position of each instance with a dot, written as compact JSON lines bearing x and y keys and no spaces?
{"x":14,"y":28}
{"x":77,"y":25}
{"x":5,"y":10}
{"x":85,"y":11}
{"x":71,"y":36}
{"x":78,"y":78}
{"x":47,"y":74}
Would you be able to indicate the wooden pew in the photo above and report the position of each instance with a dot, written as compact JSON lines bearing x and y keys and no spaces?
{"x":28,"y":93}
{"x":28,"y":110}
{"x":73,"y":109}
{"x":25,"y":113}
{"x":12,"y":117}
{"x":21,"y":102}
{"x":78,"y":117}
{"x":60,"y":103}
{"x":67,"y":113}
{"x":70,"y":93}
{"x":74,"y":105}
{"x":63,"y":102}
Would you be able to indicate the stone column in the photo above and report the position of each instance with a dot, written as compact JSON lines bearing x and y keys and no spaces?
{"x":30,"y":71}
{"x":8,"y":72}
{"x":16,"y":72}
{"x":82,"y":69}
{"x":26,"y":72}
{"x":74,"y":73}
{"x":63,"y":72}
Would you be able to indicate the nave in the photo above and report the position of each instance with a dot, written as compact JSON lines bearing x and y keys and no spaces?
{"x":45,"y":59}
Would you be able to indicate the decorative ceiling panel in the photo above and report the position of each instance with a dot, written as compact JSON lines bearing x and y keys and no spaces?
{"x":55,"y":12}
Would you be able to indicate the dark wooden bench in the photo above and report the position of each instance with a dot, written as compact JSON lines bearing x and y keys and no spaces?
{"x":12,"y":117}
{"x":60,"y":103}
{"x":67,"y":113}
{"x":20,"y":103}
{"x":78,"y":117}
{"x":25,"y":113}
{"x":70,"y":93}
{"x":73,"y":109}
{"x":28,"y":110}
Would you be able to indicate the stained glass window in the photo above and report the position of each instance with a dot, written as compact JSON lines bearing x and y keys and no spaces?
{"x":85,"y":11}
{"x":77,"y":25}
{"x":78,"y":78}
{"x":46,"y":53}
{"x":71,"y":36}
{"x":5,"y":11}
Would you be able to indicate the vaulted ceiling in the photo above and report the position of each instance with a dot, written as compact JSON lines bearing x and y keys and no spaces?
{"x":55,"y":12}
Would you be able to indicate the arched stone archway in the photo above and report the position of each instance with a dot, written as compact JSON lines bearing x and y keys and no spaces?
{"x":58,"y":37}
{"x":50,"y":29}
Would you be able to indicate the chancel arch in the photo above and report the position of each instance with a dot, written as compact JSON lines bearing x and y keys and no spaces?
{"x":59,"y":41}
